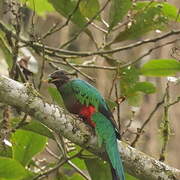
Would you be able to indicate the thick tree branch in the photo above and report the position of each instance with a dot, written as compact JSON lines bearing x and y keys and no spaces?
{"x":27,"y":100}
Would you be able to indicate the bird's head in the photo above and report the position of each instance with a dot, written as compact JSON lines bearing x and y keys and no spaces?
{"x":59,"y":77}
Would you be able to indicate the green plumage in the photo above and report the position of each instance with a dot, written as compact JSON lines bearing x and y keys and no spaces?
{"x":106,"y":135}
{"x":84,"y":93}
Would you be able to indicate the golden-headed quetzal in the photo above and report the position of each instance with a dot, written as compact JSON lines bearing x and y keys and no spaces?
{"x":83,"y":99}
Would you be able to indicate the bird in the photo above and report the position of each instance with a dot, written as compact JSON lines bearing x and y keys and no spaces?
{"x":84,"y":100}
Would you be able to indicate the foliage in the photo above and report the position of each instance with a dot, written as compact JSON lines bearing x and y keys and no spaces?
{"x":26,"y":145}
{"x":161,"y":67}
{"x":149,"y":16}
{"x":11,"y":169}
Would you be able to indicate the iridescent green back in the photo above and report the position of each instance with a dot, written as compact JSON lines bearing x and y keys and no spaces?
{"x":85,"y":93}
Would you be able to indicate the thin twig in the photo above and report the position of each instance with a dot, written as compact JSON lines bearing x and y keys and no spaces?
{"x":60,"y":143}
{"x":140,"y":130}
{"x":120,"y":25}
{"x":94,"y":67}
{"x":105,"y":23}
{"x":175,"y":102}
{"x":80,"y":72}
{"x":33,"y":17}
{"x":129,"y":124}
{"x":22,"y":76}
{"x":53,"y":30}
{"x":52,"y":153}
{"x":78,"y":170}
{"x":86,"y":25}
{"x":101,"y":52}
{"x":15,"y":48}
{"x":56,"y":51}
{"x":118,"y":107}
{"x":98,"y":27}
{"x":69,"y":162}
{"x":42,"y":70}
{"x":111,"y":68}
{"x":165,"y":125}
{"x":57,"y":166}
{"x":22,"y":122}
{"x":113,"y":82}
{"x":147,"y":53}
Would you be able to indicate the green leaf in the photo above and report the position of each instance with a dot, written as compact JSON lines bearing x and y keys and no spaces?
{"x":146,"y":20}
{"x":66,"y":7}
{"x":168,"y":10}
{"x":11,"y":169}
{"x":6,"y":50}
{"x":79,"y":163}
{"x":98,"y":169}
{"x":40,"y":7}
{"x":76,"y":176}
{"x":26,"y":144}
{"x":145,"y":87}
{"x":160,"y":67}
{"x":39,"y":128}
{"x":128,"y":78}
{"x":89,"y":8}
{"x":118,"y":10}
{"x":56,"y":96}
{"x":171,"y":12}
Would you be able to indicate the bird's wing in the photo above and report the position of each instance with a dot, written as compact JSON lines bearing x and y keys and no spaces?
{"x":88,"y":95}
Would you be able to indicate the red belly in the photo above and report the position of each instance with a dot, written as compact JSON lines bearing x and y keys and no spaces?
{"x":86,"y":112}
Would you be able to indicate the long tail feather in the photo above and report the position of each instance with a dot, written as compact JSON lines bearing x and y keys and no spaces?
{"x":114,"y":156}
{"x":114,"y":174}
{"x":106,"y":135}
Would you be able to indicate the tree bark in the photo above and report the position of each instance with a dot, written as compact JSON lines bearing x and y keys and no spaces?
{"x":26,"y":99}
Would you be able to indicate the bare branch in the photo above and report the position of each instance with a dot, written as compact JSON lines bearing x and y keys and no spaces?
{"x":174,"y":102}
{"x":147,"y":53}
{"x":57,"y":52}
{"x":146,"y":122}
{"x":77,"y":70}
{"x":165,"y":125}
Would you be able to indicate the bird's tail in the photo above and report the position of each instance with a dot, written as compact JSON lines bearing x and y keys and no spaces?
{"x":114,"y":174}
{"x":106,"y":135}
{"x":114,"y":156}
